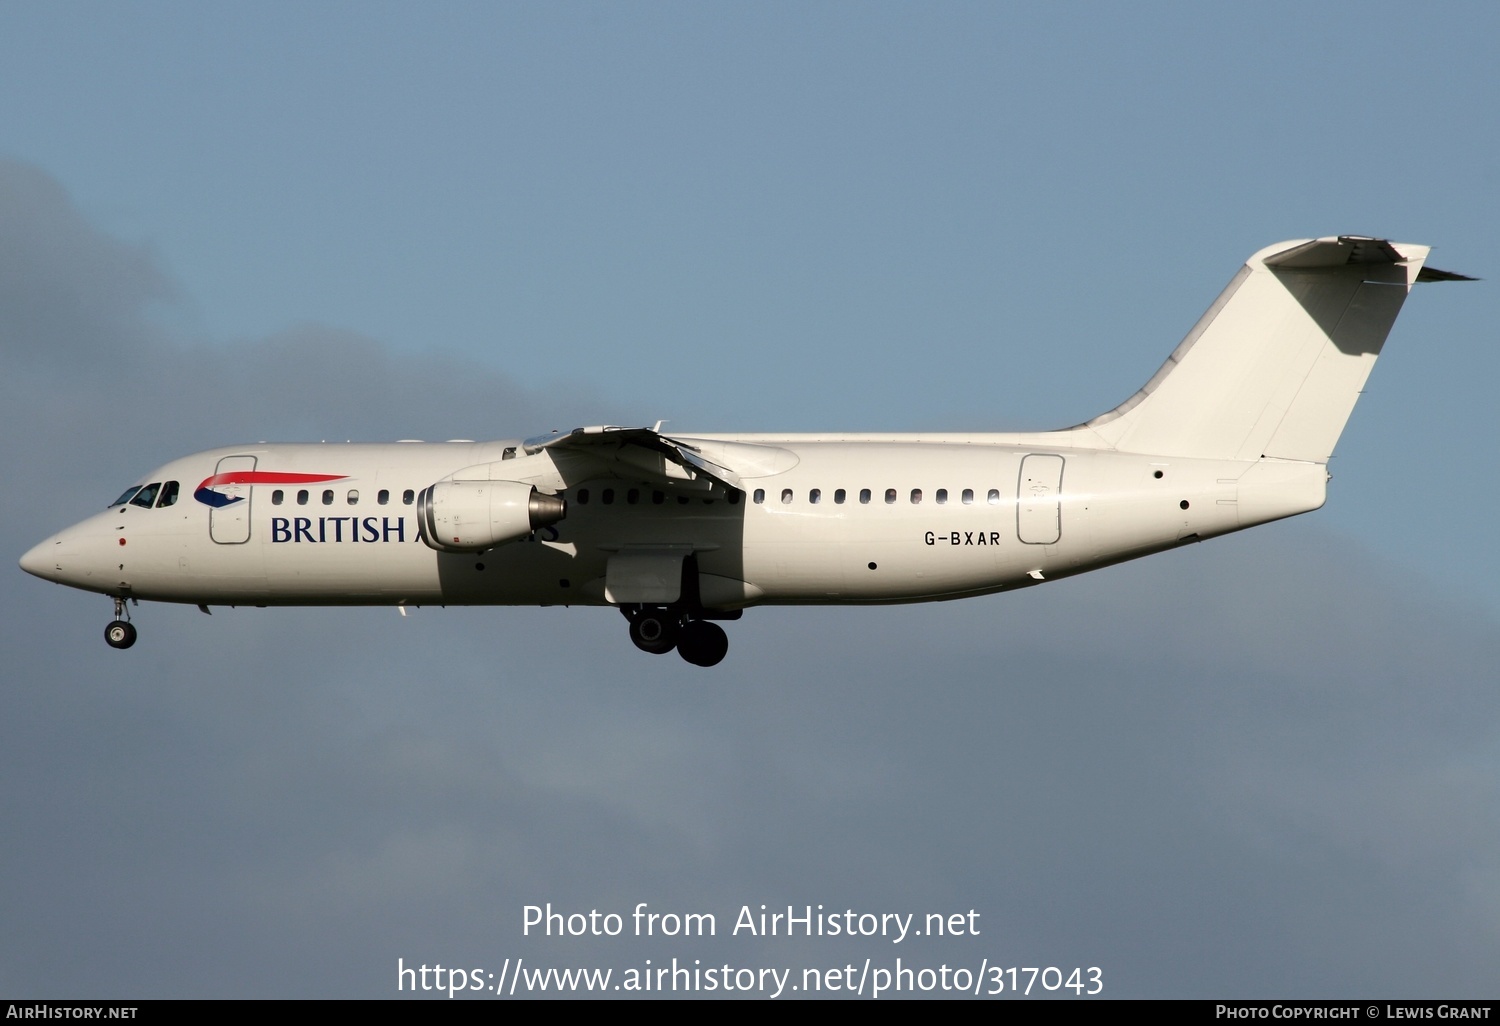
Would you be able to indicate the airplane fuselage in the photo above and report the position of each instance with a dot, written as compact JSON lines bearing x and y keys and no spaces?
{"x":853,"y":520}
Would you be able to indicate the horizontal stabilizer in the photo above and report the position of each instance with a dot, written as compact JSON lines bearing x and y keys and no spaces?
{"x":1433,"y":274}
{"x":1336,"y":252}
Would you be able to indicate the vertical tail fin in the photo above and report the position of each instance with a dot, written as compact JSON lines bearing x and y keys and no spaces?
{"x":1274,"y":367}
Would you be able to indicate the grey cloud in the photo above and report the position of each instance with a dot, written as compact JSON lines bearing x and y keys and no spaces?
{"x":69,"y":294}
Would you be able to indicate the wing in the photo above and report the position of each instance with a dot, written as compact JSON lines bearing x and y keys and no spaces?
{"x":676,"y":460}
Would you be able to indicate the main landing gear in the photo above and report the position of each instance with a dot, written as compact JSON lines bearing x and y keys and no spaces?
{"x":659,"y":629}
{"x":120,"y":633}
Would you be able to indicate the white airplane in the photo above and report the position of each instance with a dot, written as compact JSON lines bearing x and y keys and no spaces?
{"x":1234,"y":430}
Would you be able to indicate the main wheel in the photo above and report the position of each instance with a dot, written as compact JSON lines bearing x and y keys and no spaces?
{"x":654,"y":632}
{"x":119,"y":634}
{"x":702,"y":643}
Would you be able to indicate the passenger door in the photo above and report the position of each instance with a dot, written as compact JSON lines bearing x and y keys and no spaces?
{"x":230,"y":524}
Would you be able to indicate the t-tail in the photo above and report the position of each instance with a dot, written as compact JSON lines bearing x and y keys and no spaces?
{"x":1273,"y":369}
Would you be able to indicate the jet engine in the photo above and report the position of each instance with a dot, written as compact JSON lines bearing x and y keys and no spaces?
{"x":470,"y":516}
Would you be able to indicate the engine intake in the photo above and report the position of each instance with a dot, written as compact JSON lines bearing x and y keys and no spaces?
{"x":470,"y":516}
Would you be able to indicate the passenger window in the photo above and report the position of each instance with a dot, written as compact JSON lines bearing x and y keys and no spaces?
{"x":838,"y":497}
{"x":968,"y":496}
{"x":657,"y":498}
{"x":815,"y":496}
{"x":916,"y":496}
{"x":864,"y":495}
{"x":277,"y":497}
{"x":328,"y":496}
{"x":383,"y":496}
{"x":760,"y":496}
{"x":942,"y":496}
{"x":633,"y":496}
{"x":354,"y":496}
{"x":123,"y":499}
{"x":408,"y":497}
{"x":786,"y":496}
{"x":302,"y":497}
{"x":607,"y":496}
{"x":994,"y":497}
{"x":168,"y":495}
{"x":583,"y":496}
{"x":147,"y":495}
{"x":890,"y":495}
{"x":735,"y":495}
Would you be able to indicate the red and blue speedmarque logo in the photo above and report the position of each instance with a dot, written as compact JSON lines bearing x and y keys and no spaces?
{"x":205,"y":493}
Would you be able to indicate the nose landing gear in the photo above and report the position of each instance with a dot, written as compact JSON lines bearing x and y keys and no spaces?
{"x":659,"y":629}
{"x":121,"y":632}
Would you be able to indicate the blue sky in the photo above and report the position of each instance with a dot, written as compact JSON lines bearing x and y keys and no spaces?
{"x":491,"y":220}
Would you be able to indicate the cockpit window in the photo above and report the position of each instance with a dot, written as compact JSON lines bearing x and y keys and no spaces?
{"x":168,"y":495}
{"x":122,"y":500}
{"x":147,"y":495}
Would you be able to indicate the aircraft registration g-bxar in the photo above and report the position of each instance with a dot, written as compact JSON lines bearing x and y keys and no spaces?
{"x":1234,"y":430}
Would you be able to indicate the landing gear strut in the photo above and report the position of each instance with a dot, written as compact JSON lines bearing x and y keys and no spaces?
{"x":659,"y":629}
{"x":120,"y":633}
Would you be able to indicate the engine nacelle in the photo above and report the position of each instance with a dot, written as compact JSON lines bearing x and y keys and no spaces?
{"x":470,"y":516}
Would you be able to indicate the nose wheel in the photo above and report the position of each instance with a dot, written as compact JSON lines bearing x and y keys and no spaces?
{"x":121,"y":632}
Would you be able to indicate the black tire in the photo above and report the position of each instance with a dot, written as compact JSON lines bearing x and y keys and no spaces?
{"x":654,"y":632}
{"x":702,"y":643}
{"x":119,"y":634}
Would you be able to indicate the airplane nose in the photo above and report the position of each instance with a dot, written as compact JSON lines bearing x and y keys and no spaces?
{"x":80,"y":557}
{"x":41,"y":560}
